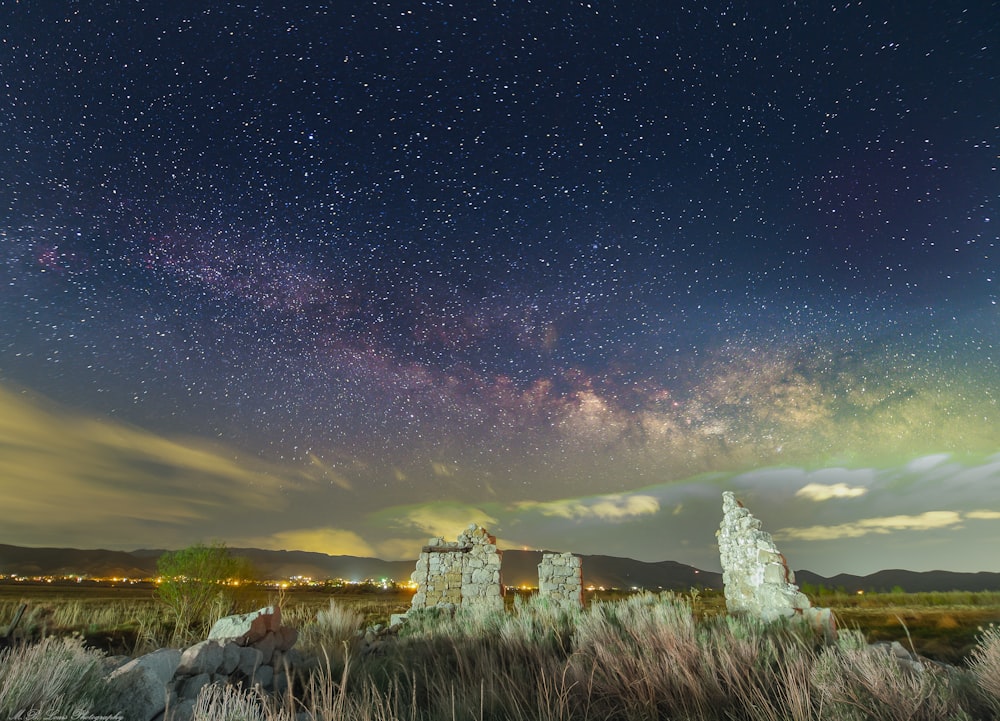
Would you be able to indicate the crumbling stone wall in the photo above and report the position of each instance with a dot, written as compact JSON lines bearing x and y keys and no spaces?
{"x":438,"y":574}
{"x":755,"y":573}
{"x":560,"y":579}
{"x":465,"y":572}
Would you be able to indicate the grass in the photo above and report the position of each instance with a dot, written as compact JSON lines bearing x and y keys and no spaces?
{"x":130,"y":620}
{"x":641,"y":657}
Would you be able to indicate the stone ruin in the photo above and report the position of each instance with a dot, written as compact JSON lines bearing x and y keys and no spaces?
{"x":465,"y":572}
{"x":248,"y":650}
{"x":755,"y":574}
{"x":560,"y":579}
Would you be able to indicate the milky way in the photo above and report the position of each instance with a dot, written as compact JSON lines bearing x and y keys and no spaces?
{"x":401,"y":262}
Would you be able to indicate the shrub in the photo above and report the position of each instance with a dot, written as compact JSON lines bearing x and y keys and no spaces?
{"x":193,"y":586}
{"x":984,"y":664}
{"x":56,"y":678}
{"x":334,"y":626}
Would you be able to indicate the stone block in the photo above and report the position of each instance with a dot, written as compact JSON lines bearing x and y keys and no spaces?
{"x":230,"y":658}
{"x":250,"y":659}
{"x":285,"y":638}
{"x":191,"y":687}
{"x":264,"y":675}
{"x":266,"y":647}
{"x":203,"y":657}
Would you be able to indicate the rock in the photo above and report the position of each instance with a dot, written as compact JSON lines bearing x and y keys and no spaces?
{"x":111,"y":663}
{"x":140,"y":686}
{"x":280,"y":682}
{"x":203,"y":657}
{"x":191,"y":687}
{"x":266,"y":647}
{"x":286,"y":637}
{"x":182,"y":711}
{"x":264,"y":676}
{"x":230,"y":658}
{"x":250,"y":659}
{"x":246,"y":628}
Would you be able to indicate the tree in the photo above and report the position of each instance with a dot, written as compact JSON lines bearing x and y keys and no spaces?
{"x":195,"y":582}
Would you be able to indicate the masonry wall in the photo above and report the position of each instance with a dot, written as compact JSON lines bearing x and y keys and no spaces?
{"x":465,"y":572}
{"x":560,"y":579}
{"x":755,"y":573}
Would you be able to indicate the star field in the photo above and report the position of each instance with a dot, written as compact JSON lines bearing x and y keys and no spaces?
{"x":392,"y":257}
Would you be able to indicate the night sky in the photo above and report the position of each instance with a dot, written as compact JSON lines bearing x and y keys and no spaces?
{"x":344,"y":276}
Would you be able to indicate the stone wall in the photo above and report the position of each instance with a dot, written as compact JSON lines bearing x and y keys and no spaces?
{"x":465,"y":572}
{"x":560,"y":579}
{"x":755,"y":573}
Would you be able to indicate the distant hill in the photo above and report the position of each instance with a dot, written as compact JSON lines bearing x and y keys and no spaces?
{"x":66,"y":561}
{"x":519,"y":567}
{"x":910,"y":581}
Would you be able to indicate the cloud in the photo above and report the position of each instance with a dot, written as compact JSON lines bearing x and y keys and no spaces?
{"x":615,"y":507}
{"x":824,"y":492}
{"x":332,"y":541}
{"x":73,"y":476}
{"x":983,"y":515}
{"x":887,"y":524}
{"x":441,"y":519}
{"x":329,"y":474}
{"x":442,"y":469}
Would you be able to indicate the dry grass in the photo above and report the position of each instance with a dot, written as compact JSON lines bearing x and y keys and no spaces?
{"x":640,"y":657}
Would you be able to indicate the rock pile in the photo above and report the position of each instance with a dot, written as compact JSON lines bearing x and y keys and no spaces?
{"x":560,"y":579}
{"x":755,"y":573}
{"x":251,"y":649}
{"x":465,"y":572}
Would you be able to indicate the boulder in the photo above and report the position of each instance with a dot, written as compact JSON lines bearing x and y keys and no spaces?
{"x":139,"y":688}
{"x":203,"y":657}
{"x":191,"y":687}
{"x":250,"y":659}
{"x":230,"y":658}
{"x":246,"y":628}
{"x":266,"y":647}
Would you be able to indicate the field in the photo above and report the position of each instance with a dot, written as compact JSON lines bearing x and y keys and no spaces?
{"x":624,"y":657}
{"x":127,"y":618}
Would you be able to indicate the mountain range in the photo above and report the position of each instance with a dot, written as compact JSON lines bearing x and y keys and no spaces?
{"x":519,"y":567}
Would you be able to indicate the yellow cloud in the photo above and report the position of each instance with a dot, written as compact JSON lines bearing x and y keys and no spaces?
{"x":614,"y":507}
{"x":330,"y":474}
{"x":442,"y":469}
{"x":824,"y":492}
{"x":331,"y":541}
{"x":444,"y":520}
{"x":983,"y":515}
{"x":886,"y":524}
{"x":400,"y":549}
{"x":76,"y":474}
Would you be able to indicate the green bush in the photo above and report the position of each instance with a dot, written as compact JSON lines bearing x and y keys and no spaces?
{"x":194,"y":587}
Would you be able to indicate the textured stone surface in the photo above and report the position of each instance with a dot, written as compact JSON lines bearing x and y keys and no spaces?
{"x":250,"y":659}
{"x":246,"y":628}
{"x":465,"y":572}
{"x":230,"y":658}
{"x":140,"y":686}
{"x":755,"y":573}
{"x":191,"y":687}
{"x":560,"y":579}
{"x":203,"y":657}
